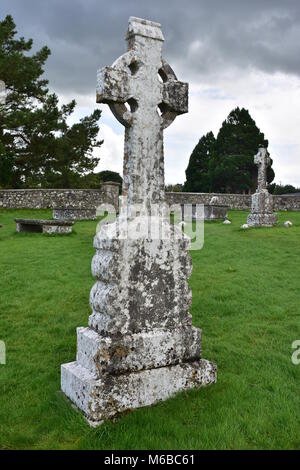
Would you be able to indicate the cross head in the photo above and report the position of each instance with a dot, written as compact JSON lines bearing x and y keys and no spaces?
{"x":144,"y":95}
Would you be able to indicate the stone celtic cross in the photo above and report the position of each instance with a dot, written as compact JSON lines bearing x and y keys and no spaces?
{"x":262,"y":202}
{"x":262,"y":160}
{"x":140,"y":346}
{"x":145,"y":96}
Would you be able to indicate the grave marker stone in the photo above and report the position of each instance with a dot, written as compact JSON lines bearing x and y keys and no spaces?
{"x":140,"y":346}
{"x":262,"y":202}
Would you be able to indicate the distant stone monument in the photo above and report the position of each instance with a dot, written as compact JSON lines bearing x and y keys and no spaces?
{"x":140,"y":346}
{"x":262,"y":214}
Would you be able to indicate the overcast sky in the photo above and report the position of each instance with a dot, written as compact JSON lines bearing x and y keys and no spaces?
{"x":232,"y":52}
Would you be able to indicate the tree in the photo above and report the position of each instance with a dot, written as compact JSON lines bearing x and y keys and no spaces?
{"x":226,"y":164}
{"x":238,"y":140}
{"x":108,"y":175}
{"x":37,"y":146}
{"x":94,"y":180}
{"x":70,"y":156}
{"x":283,"y":189}
{"x":174,"y":188}
{"x":198,"y":172}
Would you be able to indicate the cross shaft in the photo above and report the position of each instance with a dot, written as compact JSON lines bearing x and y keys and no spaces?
{"x":262,"y":160}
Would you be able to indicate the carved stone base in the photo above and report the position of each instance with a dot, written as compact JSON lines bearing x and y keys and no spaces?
{"x":262,"y":220}
{"x":115,"y":373}
{"x":136,"y":351}
{"x":102,"y":398}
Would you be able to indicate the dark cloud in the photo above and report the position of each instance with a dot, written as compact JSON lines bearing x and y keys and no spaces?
{"x":204,"y":39}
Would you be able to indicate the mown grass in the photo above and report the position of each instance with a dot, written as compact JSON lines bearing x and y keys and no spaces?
{"x":245,"y":298}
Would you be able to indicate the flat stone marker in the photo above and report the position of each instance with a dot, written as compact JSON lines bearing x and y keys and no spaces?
{"x":262,"y":214}
{"x":140,"y":346}
{"x":44,"y":226}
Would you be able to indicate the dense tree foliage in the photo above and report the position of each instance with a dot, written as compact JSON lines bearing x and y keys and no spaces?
{"x":37,"y":145}
{"x":225,"y":164}
{"x":94,"y":180}
{"x":174,"y":188}
{"x":283,"y":189}
{"x":198,"y":172}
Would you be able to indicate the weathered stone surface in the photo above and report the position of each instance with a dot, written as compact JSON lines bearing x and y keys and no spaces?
{"x":262,"y":202}
{"x":141,"y":285}
{"x":208,"y":212}
{"x":140,"y":346}
{"x":232,"y":201}
{"x":76,"y":198}
{"x":57,"y":229}
{"x":262,"y":220}
{"x":214,"y":212}
{"x":102,"y":398}
{"x":44,"y":226}
{"x":215,"y":200}
{"x":74,"y":214}
{"x":136,"y":351}
{"x":66,"y":198}
{"x":286,"y":203}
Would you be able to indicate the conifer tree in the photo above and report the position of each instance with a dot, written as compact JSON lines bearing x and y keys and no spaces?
{"x":37,"y":146}
{"x":226,"y":164}
{"x":198,"y":174}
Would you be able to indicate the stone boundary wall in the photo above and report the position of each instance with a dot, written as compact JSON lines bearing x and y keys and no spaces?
{"x":286,"y":203}
{"x":60,"y":198}
{"x":109,"y":194}
{"x":233,"y":201}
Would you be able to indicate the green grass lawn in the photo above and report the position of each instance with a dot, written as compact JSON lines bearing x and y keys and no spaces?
{"x":246,"y":298}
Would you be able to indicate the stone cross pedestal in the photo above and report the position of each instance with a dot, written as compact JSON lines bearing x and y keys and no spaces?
{"x":262,"y":202}
{"x":140,"y":345}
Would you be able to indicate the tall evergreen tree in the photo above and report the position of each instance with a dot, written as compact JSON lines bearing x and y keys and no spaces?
{"x":225,"y":164}
{"x":238,"y":140}
{"x":37,"y":146}
{"x":198,"y":174}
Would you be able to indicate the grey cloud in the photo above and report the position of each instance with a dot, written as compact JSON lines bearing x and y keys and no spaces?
{"x":203,"y":39}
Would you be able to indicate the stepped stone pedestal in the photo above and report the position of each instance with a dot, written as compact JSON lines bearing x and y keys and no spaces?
{"x":140,"y":346}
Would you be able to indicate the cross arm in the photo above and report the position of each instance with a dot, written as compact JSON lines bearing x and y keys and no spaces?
{"x":112,"y":85}
{"x":175,"y":96}
{"x":262,"y":157}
